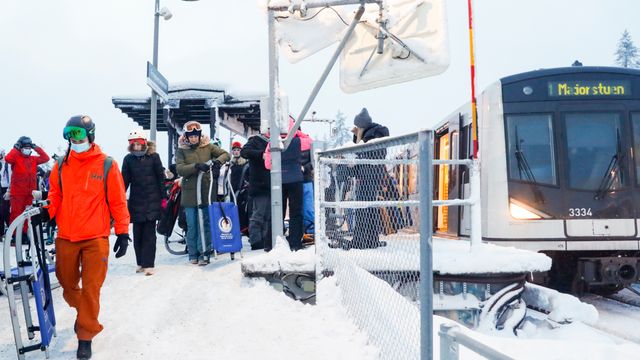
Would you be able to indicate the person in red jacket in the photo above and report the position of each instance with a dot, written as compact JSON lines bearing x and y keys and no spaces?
{"x":24,"y":169}
{"x":83,"y":199}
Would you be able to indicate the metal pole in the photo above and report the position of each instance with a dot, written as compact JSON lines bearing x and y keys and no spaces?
{"x":324,"y":75}
{"x":154,"y":100}
{"x":276,"y":149}
{"x":449,"y":349}
{"x":425,"y":142}
{"x":476,"y":206}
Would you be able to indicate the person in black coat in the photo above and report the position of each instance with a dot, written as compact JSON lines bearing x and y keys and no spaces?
{"x":366,"y":234}
{"x":292,"y":192}
{"x":142,"y":171}
{"x":259,"y":192}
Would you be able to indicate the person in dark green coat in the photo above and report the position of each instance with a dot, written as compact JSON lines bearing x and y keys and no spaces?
{"x":194,"y":151}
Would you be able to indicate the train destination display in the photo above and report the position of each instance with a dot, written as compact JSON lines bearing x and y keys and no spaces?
{"x":589,"y":88}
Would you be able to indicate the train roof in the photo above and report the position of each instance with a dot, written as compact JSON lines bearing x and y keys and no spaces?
{"x":568,"y":70}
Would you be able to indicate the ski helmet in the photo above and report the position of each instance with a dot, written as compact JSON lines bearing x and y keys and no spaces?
{"x":236,"y":145}
{"x":75,"y":125}
{"x":24,"y":141}
{"x":137,"y":134}
{"x":192,"y":128}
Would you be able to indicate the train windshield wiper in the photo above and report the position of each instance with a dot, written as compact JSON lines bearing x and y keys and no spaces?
{"x":614,"y":170}
{"x":523,"y":165}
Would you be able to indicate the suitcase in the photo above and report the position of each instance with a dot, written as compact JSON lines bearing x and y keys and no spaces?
{"x":225,"y":227}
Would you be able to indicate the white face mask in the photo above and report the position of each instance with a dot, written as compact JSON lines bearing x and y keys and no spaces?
{"x":80,"y":148}
{"x":26,"y":151}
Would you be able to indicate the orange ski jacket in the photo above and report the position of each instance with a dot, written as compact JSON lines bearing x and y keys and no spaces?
{"x":82,"y":209}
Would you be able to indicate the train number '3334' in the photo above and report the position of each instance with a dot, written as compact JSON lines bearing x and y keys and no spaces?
{"x":576,"y":212}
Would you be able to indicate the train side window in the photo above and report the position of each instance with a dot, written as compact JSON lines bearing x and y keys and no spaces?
{"x":530,"y":151}
{"x":635,"y":118}
{"x":594,"y":151}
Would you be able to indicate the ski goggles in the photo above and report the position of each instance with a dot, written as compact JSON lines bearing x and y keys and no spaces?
{"x":137,"y":141}
{"x":74,"y":132}
{"x":194,"y":132}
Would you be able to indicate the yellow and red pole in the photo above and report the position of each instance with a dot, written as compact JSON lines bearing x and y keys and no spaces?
{"x":474,"y":109}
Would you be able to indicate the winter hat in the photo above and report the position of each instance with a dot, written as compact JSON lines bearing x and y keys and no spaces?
{"x":236,"y":145}
{"x":362,"y":120}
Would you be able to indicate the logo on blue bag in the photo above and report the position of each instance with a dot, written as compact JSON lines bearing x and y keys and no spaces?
{"x":225,"y":225}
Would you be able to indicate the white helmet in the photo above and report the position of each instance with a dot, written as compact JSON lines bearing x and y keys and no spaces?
{"x":137,"y":134}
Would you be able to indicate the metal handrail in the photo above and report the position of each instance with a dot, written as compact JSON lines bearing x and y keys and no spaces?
{"x":451,"y":337}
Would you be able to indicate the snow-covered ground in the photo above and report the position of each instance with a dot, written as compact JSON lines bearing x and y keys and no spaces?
{"x":190,"y":312}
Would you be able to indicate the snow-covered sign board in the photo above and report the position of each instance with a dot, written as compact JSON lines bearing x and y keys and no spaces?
{"x":157,"y":82}
{"x":302,"y":36}
{"x":416,"y":46}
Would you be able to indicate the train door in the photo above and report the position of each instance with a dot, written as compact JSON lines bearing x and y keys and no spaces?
{"x":442,"y":184}
{"x":447,"y":183}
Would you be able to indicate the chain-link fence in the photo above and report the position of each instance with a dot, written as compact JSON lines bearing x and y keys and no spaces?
{"x":369,"y":218}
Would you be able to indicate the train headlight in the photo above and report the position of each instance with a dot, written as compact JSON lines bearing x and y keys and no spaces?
{"x":521,"y":211}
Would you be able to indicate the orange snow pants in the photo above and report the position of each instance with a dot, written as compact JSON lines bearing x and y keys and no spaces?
{"x":87,"y":261}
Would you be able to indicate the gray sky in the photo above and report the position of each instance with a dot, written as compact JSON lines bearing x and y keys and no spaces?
{"x":65,"y":57}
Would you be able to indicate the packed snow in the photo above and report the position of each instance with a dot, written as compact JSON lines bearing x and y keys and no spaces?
{"x":187,"y":311}
{"x":449,"y":257}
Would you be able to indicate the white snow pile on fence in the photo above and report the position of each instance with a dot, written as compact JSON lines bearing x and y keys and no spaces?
{"x":402,"y":253}
{"x":562,"y":308}
{"x":281,"y":258}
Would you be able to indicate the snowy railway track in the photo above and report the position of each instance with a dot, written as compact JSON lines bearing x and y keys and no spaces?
{"x":619,"y":314}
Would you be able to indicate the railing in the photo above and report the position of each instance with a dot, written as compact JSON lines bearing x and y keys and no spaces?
{"x":451,"y":337}
{"x":374,"y":226}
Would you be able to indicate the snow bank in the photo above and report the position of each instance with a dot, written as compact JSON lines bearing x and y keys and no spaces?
{"x":562,"y":308}
{"x":281,"y":258}
{"x":449,"y":257}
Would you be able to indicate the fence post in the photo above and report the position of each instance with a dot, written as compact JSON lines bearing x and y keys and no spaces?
{"x":476,"y":207}
{"x":425,"y":181}
{"x":449,"y":349}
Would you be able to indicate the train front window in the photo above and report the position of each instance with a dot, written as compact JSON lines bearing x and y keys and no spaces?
{"x":530,"y":149}
{"x":635,"y":119}
{"x":594,"y":151}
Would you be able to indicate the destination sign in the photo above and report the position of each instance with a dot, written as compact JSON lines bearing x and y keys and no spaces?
{"x":572,"y":88}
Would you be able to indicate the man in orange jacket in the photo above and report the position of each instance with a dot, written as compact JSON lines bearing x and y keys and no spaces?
{"x":83,"y":201}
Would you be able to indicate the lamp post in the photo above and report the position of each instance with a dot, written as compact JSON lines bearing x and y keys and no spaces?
{"x":166,"y":14}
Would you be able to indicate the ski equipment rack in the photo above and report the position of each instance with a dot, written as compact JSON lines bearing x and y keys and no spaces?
{"x":29,"y":274}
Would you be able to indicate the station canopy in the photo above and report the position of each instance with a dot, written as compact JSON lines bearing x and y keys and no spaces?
{"x":203,"y":102}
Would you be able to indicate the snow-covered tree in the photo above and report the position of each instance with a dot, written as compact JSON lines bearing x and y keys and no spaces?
{"x":341,"y":133}
{"x":627,"y":54}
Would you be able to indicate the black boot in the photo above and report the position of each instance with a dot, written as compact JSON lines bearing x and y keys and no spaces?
{"x":84,"y":350}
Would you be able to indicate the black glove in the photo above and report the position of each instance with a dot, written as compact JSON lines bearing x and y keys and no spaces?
{"x":44,"y":215}
{"x":202,"y":167}
{"x":17,"y":145}
{"x":215,"y":169}
{"x":120,"y":247}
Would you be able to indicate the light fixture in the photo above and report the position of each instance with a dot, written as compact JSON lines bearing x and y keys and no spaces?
{"x":521,"y":211}
{"x":165,"y":13}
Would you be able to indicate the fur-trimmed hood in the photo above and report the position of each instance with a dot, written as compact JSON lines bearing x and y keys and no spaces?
{"x":150,"y":148}
{"x":183,"y":143}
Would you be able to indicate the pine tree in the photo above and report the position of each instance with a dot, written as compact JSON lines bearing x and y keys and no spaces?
{"x":342,"y":134}
{"x":627,"y":54}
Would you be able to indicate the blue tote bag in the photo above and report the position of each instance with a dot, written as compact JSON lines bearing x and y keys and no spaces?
{"x":225,"y":227}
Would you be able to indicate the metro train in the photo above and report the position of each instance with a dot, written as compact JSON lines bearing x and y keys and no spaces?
{"x":560,"y":172}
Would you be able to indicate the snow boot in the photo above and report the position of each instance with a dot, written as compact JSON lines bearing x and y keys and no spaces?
{"x":84,"y":350}
{"x":139,"y":269}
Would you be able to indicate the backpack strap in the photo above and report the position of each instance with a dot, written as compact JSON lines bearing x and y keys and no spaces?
{"x":60,"y":162}
{"x":108,"y":161}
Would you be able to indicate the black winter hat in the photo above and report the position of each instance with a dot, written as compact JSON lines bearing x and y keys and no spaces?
{"x":362,"y":120}
{"x":23,"y":141}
